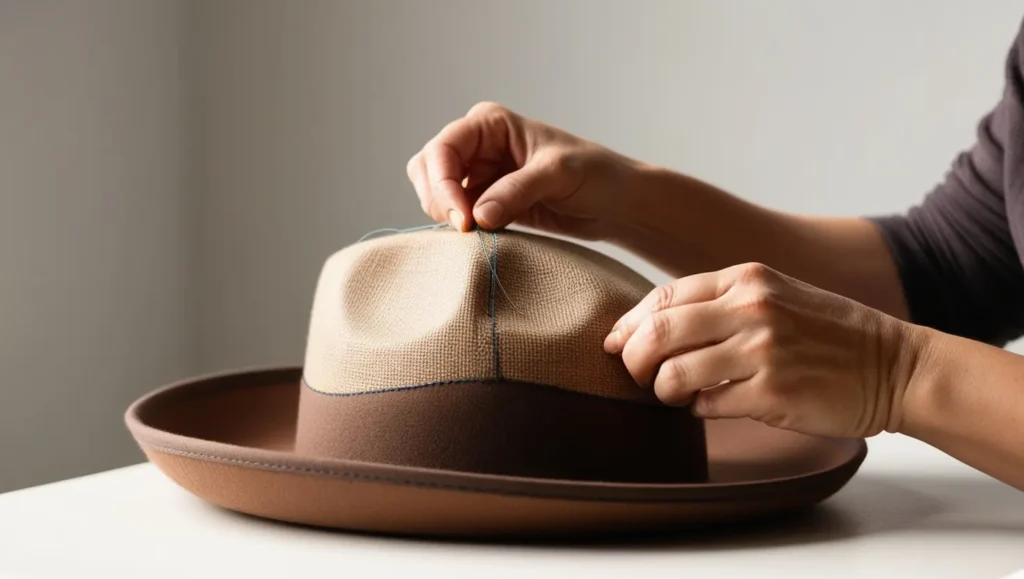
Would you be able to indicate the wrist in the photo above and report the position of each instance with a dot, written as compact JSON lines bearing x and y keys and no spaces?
{"x":916,"y":391}
{"x":645,"y":208}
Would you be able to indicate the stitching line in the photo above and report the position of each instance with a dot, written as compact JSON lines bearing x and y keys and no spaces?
{"x":494,"y":318}
{"x":396,"y":389}
{"x":554,"y":495}
{"x":484,"y":380}
{"x":321,"y":471}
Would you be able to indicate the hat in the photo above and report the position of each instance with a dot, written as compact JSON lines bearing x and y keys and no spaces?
{"x":456,"y":384}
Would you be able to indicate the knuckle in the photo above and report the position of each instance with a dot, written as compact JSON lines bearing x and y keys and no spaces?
{"x":674,"y":373}
{"x":670,"y":386}
{"x":450,"y":132}
{"x":429,"y":205}
{"x":769,"y":400}
{"x":659,"y":328}
{"x":486,"y":108}
{"x":760,"y":300}
{"x":672,"y":396}
{"x":755,"y":273}
{"x":766,"y":298}
{"x":434,"y":149}
{"x":514,"y":187}
{"x":559,"y":162}
{"x":765,"y":346}
{"x":664,"y":295}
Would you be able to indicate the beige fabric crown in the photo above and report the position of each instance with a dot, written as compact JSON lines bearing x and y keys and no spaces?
{"x":438,"y":305}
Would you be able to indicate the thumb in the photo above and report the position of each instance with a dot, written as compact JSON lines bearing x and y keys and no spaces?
{"x":512,"y":195}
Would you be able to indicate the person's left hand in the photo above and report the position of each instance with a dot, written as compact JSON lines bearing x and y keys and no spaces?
{"x":750,"y":342}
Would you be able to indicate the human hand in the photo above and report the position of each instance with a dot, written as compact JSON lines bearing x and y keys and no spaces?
{"x":749,"y":342}
{"x":496,"y":168}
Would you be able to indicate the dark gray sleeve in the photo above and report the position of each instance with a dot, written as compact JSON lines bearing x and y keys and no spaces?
{"x":955,"y":252}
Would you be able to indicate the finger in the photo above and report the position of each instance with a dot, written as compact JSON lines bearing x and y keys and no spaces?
{"x":692,"y":289}
{"x":417,"y":172}
{"x":667,"y":333}
{"x":513,"y":194}
{"x":482,"y":172}
{"x":736,"y":399}
{"x":482,"y":135}
{"x":682,"y":377}
{"x":445,"y":173}
{"x":481,"y":175}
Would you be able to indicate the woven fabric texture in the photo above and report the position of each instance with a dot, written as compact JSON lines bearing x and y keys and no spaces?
{"x":435,"y":306}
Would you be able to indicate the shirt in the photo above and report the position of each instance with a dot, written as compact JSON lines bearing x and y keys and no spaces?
{"x":958,"y":252}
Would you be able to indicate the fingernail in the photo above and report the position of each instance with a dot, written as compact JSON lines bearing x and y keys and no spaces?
{"x":612,"y":343}
{"x":455,"y":219}
{"x":489,"y":214}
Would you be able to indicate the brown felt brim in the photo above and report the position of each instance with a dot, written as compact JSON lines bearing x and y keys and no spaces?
{"x":229,"y":439}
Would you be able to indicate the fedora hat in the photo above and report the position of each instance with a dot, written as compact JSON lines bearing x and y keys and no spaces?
{"x":456,"y":384}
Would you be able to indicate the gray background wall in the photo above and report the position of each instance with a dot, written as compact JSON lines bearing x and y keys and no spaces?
{"x":173,"y":173}
{"x":96,"y":291}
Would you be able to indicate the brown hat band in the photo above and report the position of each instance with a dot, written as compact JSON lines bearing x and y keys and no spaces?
{"x":506,"y":428}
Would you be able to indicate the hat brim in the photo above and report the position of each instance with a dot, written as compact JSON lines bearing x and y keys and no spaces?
{"x":229,"y":439}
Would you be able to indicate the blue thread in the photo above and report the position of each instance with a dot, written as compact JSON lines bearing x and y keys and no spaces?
{"x":494,"y":318}
{"x":406,"y":230}
{"x":397,"y":389}
{"x":492,"y":263}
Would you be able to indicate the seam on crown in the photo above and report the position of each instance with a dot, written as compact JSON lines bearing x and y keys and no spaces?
{"x":494,"y":317}
{"x":488,"y":379}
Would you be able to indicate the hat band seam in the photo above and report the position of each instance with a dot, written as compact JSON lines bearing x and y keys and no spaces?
{"x":483,"y":380}
{"x":396,"y":388}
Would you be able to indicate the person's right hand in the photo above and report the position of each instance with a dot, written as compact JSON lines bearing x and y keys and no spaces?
{"x":497,"y":168}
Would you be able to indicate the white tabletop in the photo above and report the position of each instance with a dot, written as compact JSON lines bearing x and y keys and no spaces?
{"x":910,"y":512}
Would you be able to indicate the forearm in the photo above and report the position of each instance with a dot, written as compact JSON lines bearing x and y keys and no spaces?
{"x":685,"y":226}
{"x":966,"y":398}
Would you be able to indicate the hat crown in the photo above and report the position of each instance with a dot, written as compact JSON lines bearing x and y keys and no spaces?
{"x":483,"y":352}
{"x":440,"y":306}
